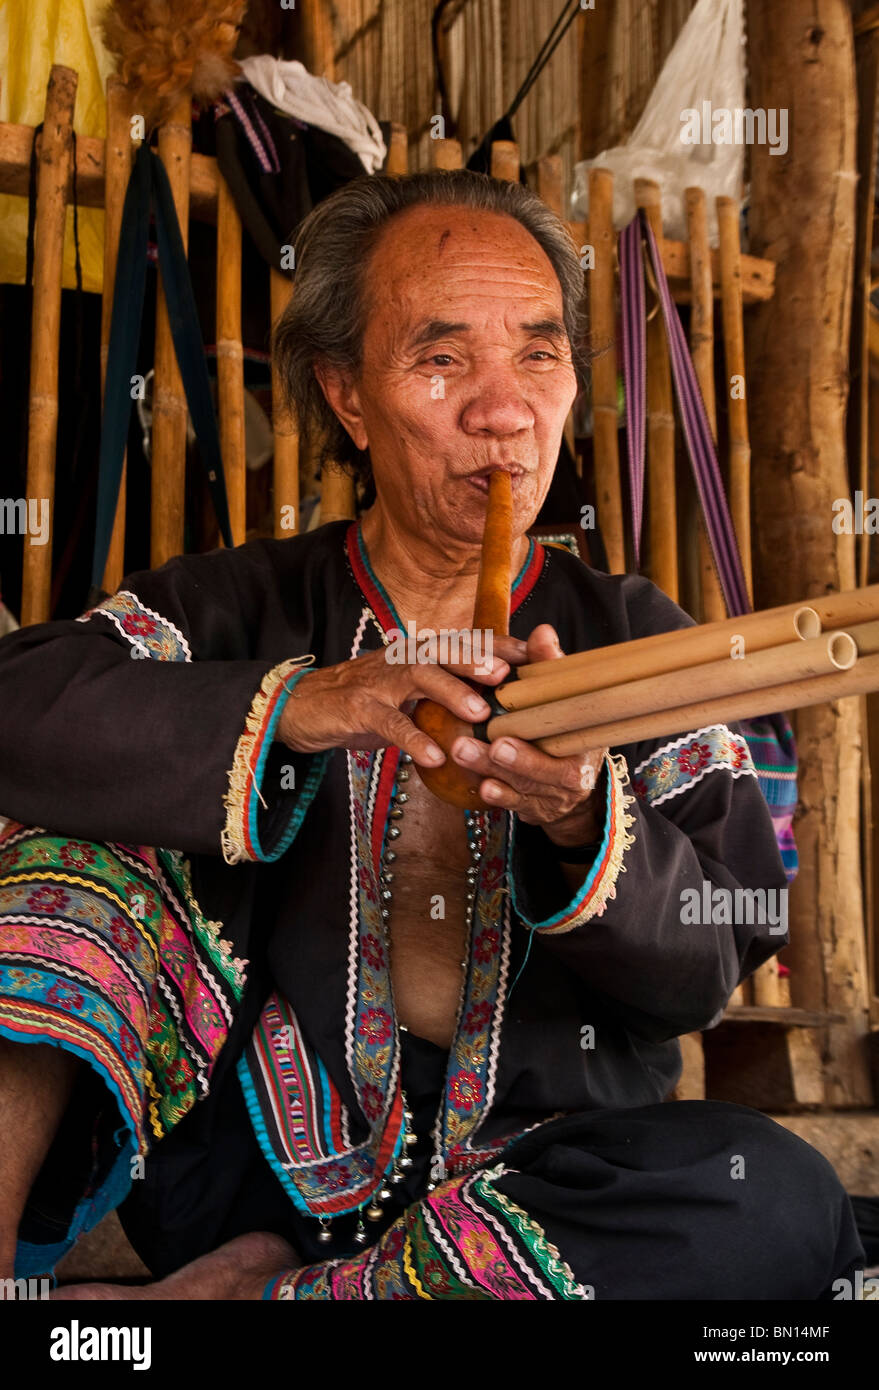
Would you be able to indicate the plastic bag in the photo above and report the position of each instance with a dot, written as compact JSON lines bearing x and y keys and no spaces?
{"x":703,"y":73}
{"x":34,"y":34}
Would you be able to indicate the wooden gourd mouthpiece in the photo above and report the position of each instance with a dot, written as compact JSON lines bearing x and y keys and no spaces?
{"x":491,"y":612}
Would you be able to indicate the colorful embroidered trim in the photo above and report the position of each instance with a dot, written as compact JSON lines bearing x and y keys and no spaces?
{"x":678,"y":766}
{"x":148,"y":632}
{"x":465,"y":1241}
{"x":104,"y":951}
{"x":599,"y":886}
{"x":326,"y":1159}
{"x":240,"y":835}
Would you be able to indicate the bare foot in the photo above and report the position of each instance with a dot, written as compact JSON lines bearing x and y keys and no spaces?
{"x":240,"y":1269}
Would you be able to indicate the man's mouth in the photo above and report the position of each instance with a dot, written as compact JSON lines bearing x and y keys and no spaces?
{"x":481,"y":477}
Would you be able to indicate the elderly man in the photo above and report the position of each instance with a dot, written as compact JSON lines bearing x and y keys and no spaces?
{"x":336,"y":1039}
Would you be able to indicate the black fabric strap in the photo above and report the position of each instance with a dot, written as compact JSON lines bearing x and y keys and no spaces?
{"x":128,"y":297}
{"x":149,"y":185}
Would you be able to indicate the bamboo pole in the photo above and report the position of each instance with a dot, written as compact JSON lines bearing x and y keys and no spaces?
{"x":734,"y":353}
{"x":798,"y":381}
{"x":816,"y":690}
{"x":505,"y":160}
{"x":446,"y":154}
{"x":286,"y":463}
{"x":397,"y":162}
{"x":51,"y":214}
{"x":549,"y":190}
{"x":549,"y":182}
{"x":602,"y":318}
{"x":337,"y":497}
{"x":620,"y":701}
{"x":230,"y":361}
{"x":169,"y":400}
{"x":702,"y":351}
{"x":117,"y":170}
{"x":660,"y":426}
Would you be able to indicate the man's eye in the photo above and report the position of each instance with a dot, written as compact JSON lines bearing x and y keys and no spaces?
{"x":543,"y":353}
{"x":441,"y":359}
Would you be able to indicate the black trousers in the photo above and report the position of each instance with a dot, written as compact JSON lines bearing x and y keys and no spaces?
{"x":685,"y":1200}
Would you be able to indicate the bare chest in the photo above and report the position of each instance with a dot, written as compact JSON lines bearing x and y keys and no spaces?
{"x":428,"y":934}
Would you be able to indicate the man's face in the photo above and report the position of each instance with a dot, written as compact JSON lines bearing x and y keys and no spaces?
{"x":466,"y":366}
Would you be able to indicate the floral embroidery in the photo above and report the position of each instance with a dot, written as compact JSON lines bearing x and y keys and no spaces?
{"x":147,"y":631}
{"x":465,"y":1090}
{"x":375,"y":1026}
{"x":47,"y":899}
{"x":676,"y":767}
{"x":77,"y":855}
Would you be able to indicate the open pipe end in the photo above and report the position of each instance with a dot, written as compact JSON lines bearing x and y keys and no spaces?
{"x":842,"y":650}
{"x":807,"y":623}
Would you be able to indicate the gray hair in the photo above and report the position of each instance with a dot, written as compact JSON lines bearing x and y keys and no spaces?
{"x":326,"y":317}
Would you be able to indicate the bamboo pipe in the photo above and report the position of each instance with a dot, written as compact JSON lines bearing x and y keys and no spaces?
{"x":859,"y":680}
{"x":602,"y":320}
{"x":712,"y":680}
{"x":117,"y":171}
{"x":286,"y":461}
{"x":730,"y":260}
{"x":230,"y":359}
{"x":505,"y":160}
{"x":169,"y":398}
{"x":833,"y":610}
{"x":491,"y":612}
{"x":660,"y":426}
{"x":702,"y":353}
{"x":629,"y":661}
{"x":446,"y":154}
{"x":51,"y":215}
{"x":397,"y":162}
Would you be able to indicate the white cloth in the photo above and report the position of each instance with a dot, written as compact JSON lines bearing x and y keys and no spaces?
{"x":330,"y":106}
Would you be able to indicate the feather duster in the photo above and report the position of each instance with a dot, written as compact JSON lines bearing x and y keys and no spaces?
{"x":167,"y":48}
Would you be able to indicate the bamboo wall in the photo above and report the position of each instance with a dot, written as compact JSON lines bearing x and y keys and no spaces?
{"x":383,"y":48}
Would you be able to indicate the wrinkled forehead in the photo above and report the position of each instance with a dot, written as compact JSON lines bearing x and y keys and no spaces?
{"x":429,"y":255}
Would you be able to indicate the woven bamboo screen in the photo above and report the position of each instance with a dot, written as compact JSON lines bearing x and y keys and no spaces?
{"x":383,"y":48}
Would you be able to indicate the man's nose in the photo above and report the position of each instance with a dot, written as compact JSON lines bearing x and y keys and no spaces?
{"x":497,"y":406}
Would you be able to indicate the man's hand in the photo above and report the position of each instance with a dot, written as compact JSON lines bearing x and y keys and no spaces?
{"x":365,"y":703}
{"x":558,"y":794}
{"x":239,"y":1270}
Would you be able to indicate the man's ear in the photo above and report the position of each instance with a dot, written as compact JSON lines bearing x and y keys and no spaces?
{"x":343,"y":399}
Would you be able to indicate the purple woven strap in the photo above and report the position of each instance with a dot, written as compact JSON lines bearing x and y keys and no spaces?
{"x":694,"y":419}
{"x":634,"y":343}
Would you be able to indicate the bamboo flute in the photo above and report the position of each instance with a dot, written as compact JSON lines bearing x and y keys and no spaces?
{"x":702,"y":353}
{"x":230,"y":359}
{"x":605,"y":434}
{"x":169,"y":399}
{"x":51,"y":215}
{"x":491,"y":611}
{"x":118,"y":151}
{"x":629,"y":661}
{"x":285,"y":475}
{"x":839,"y":610}
{"x":662,"y":510}
{"x":858,"y":680}
{"x":791,"y":661}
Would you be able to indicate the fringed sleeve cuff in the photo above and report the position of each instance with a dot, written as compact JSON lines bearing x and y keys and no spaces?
{"x":270,"y":786}
{"x":599,"y":886}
